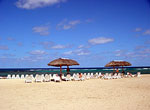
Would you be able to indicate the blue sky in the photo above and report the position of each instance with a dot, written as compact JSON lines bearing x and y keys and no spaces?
{"x":92,"y":32}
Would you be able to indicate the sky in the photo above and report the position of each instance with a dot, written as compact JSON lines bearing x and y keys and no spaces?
{"x":92,"y":32}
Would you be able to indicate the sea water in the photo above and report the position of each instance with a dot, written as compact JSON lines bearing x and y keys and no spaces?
{"x":5,"y":71}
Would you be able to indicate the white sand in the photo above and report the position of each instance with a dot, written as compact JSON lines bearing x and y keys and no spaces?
{"x":93,"y":94}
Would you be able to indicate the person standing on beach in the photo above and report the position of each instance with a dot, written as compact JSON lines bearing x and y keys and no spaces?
{"x":68,"y":70}
{"x":117,"y":70}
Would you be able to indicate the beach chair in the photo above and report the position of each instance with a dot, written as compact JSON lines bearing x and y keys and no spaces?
{"x":8,"y":76}
{"x":47,"y":78}
{"x":28,"y":79}
{"x":63,"y":77}
{"x":17,"y":76}
{"x":99,"y":75}
{"x":88,"y":76}
{"x":129,"y":74}
{"x":83,"y":77}
{"x":43,"y":78}
{"x":76,"y":77}
{"x":13,"y":76}
{"x":84,"y":74}
{"x":114,"y":76}
{"x":68,"y":77}
{"x":96,"y":75}
{"x":26,"y":75}
{"x":51,"y":77}
{"x":119,"y":76}
{"x":138,"y":74}
{"x":32,"y":76}
{"x":38,"y":78}
{"x":22,"y":76}
{"x":107,"y":76}
{"x":56,"y":78}
{"x":91,"y":75}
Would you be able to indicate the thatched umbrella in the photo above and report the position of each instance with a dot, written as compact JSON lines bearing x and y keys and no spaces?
{"x":118,"y":63}
{"x":62,"y":62}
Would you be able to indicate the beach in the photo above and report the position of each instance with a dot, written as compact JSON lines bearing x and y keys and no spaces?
{"x":93,"y":94}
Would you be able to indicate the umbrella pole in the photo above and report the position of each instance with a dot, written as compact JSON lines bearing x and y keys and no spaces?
{"x":60,"y":72}
{"x":122,"y":70}
{"x":113,"y":69}
{"x":67,"y":69}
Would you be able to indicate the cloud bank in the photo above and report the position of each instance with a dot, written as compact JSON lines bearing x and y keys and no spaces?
{"x":32,"y":4}
{"x":65,"y":24}
{"x":100,"y":40}
{"x":42,"y":30}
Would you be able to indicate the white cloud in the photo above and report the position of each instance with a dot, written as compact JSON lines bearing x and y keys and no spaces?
{"x":78,"y":52}
{"x":100,"y":40}
{"x":32,"y":4}
{"x":42,"y":30}
{"x":4,"y":47}
{"x":68,"y":53}
{"x":37,"y":52}
{"x":52,"y":45}
{"x":83,"y":53}
{"x":147,"y":32}
{"x":120,"y":53}
{"x":81,"y":46}
{"x":32,"y":58}
{"x":65,"y":24}
{"x":84,"y":46}
{"x":59,"y":46}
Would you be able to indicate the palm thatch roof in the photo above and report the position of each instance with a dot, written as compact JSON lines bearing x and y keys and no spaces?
{"x":118,"y":63}
{"x":63,"y":62}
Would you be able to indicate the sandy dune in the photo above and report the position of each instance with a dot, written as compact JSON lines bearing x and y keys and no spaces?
{"x":93,"y":94}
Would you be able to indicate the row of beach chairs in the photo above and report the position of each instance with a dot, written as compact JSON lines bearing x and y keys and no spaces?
{"x":74,"y":77}
{"x":120,"y":75}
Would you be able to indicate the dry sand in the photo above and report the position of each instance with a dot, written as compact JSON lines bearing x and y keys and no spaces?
{"x":93,"y":94}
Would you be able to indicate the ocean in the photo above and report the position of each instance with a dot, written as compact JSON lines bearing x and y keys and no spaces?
{"x":5,"y":71}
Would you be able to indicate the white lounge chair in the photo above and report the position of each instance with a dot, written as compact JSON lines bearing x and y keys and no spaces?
{"x":56,"y":78}
{"x":22,"y":76}
{"x":47,"y":78}
{"x":91,"y":75}
{"x":28,"y":79}
{"x":96,"y":75}
{"x":129,"y":74}
{"x":99,"y":74}
{"x":8,"y":76}
{"x":17,"y":76}
{"x":38,"y":78}
{"x":68,"y":77}
{"x":51,"y":78}
{"x":88,"y":76}
{"x":114,"y":76}
{"x":84,"y":74}
{"x":83,"y":78}
{"x":107,"y":76}
{"x":63,"y":78}
{"x":138,"y":74}
{"x":32,"y":76}
{"x":119,"y":76}
{"x":13,"y":76}
{"x":26,"y":75}
{"x":76,"y":77}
